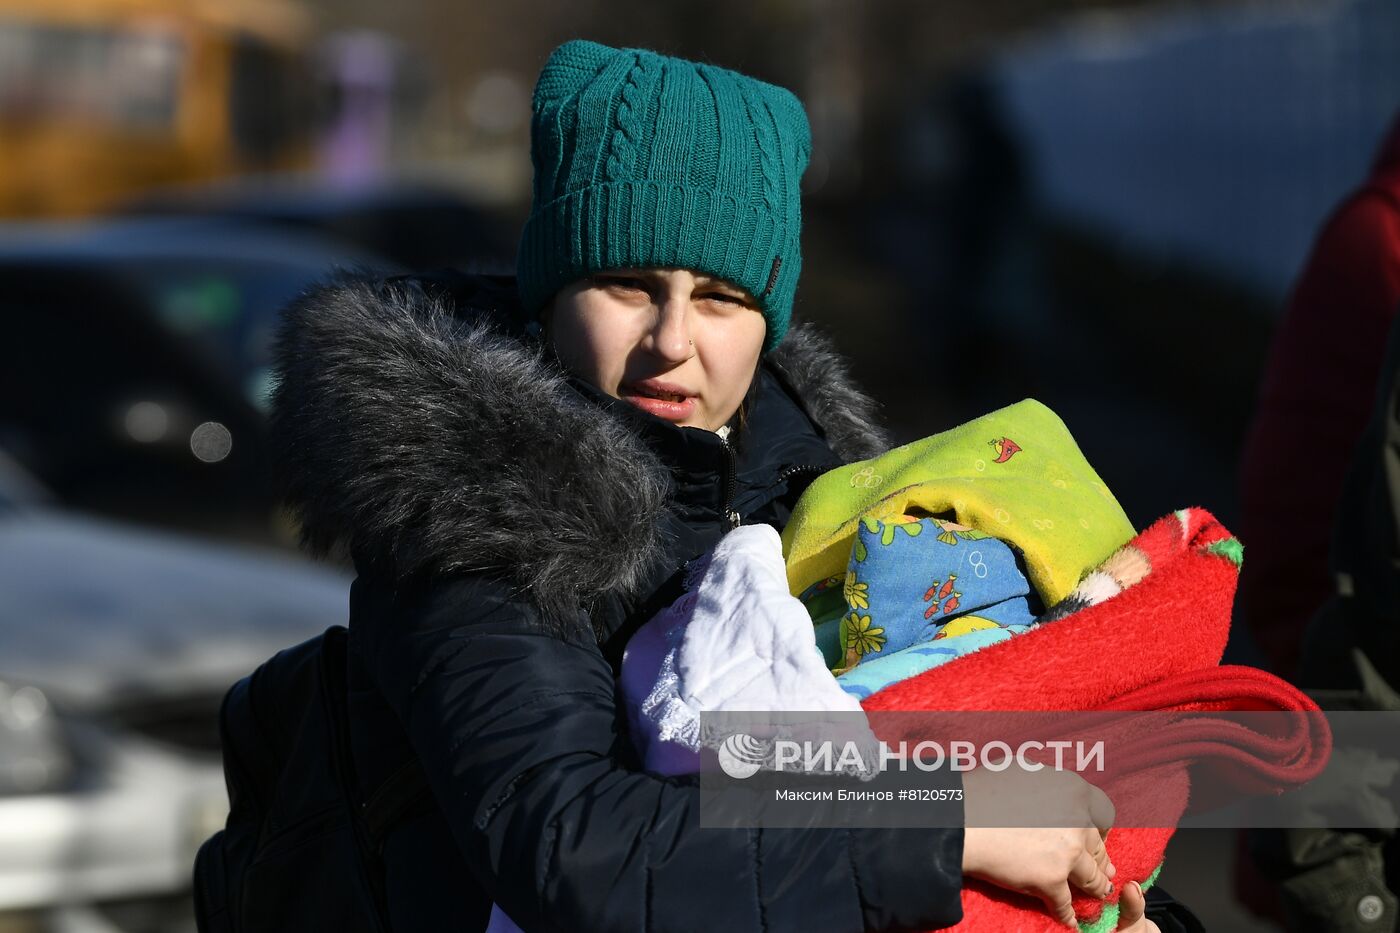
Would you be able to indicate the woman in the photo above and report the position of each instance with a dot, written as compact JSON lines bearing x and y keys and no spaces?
{"x":520,"y":471}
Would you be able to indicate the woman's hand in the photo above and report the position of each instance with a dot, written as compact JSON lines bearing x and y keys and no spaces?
{"x":1131,"y":906}
{"x":1043,"y":862}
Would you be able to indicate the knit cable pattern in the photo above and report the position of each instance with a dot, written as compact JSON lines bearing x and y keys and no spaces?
{"x":627,"y":117}
{"x":765,"y":143}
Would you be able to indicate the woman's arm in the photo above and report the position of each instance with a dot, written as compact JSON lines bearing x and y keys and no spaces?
{"x":520,"y":731}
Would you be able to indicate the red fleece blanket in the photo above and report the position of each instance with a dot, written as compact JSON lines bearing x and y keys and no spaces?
{"x":1155,"y":646}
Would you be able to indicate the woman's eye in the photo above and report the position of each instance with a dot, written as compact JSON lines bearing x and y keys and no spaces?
{"x":726,"y":297}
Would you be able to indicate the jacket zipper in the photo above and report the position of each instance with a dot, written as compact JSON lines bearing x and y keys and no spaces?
{"x":730,"y":481}
{"x":733,"y":518}
{"x":800,"y":468}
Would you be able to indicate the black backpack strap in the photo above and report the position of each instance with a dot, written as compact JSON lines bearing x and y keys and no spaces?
{"x":404,"y":793}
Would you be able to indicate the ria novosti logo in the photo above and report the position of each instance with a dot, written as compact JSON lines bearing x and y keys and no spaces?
{"x":741,"y":755}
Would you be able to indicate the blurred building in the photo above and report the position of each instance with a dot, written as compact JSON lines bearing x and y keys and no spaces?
{"x":103,"y":98}
{"x":1219,"y":137}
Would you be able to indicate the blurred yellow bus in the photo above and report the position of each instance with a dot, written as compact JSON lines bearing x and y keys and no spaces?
{"x":100,"y":99}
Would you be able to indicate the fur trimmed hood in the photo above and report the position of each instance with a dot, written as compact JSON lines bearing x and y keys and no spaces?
{"x":411,"y":426}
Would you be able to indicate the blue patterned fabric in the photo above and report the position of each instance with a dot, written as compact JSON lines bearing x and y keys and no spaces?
{"x":916,"y":594}
{"x":881,"y":671}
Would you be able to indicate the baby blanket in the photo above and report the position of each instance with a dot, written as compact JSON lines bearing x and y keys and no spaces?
{"x":1146,"y":632}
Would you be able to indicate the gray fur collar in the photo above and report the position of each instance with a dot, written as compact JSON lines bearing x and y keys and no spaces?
{"x":426,"y":442}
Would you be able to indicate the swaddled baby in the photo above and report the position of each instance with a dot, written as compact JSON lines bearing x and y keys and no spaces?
{"x":917,"y":592}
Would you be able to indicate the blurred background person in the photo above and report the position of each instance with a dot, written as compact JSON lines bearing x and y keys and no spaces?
{"x":1316,"y":397}
{"x":1318,"y":601}
{"x":1345,"y":878}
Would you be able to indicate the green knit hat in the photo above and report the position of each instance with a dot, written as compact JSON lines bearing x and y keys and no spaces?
{"x":647,"y":161}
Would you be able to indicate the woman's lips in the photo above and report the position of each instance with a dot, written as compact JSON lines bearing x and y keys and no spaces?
{"x":647,"y":397}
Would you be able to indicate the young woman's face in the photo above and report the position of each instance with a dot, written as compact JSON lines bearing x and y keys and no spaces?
{"x":678,"y":344}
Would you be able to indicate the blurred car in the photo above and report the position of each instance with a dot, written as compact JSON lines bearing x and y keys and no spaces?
{"x":116,"y":647}
{"x":418,"y":225}
{"x":135,"y":360}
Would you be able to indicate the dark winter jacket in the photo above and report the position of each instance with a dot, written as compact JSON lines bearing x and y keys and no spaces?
{"x":511,"y":527}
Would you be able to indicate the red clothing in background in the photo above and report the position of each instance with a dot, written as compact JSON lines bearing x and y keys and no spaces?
{"x":1316,"y":397}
